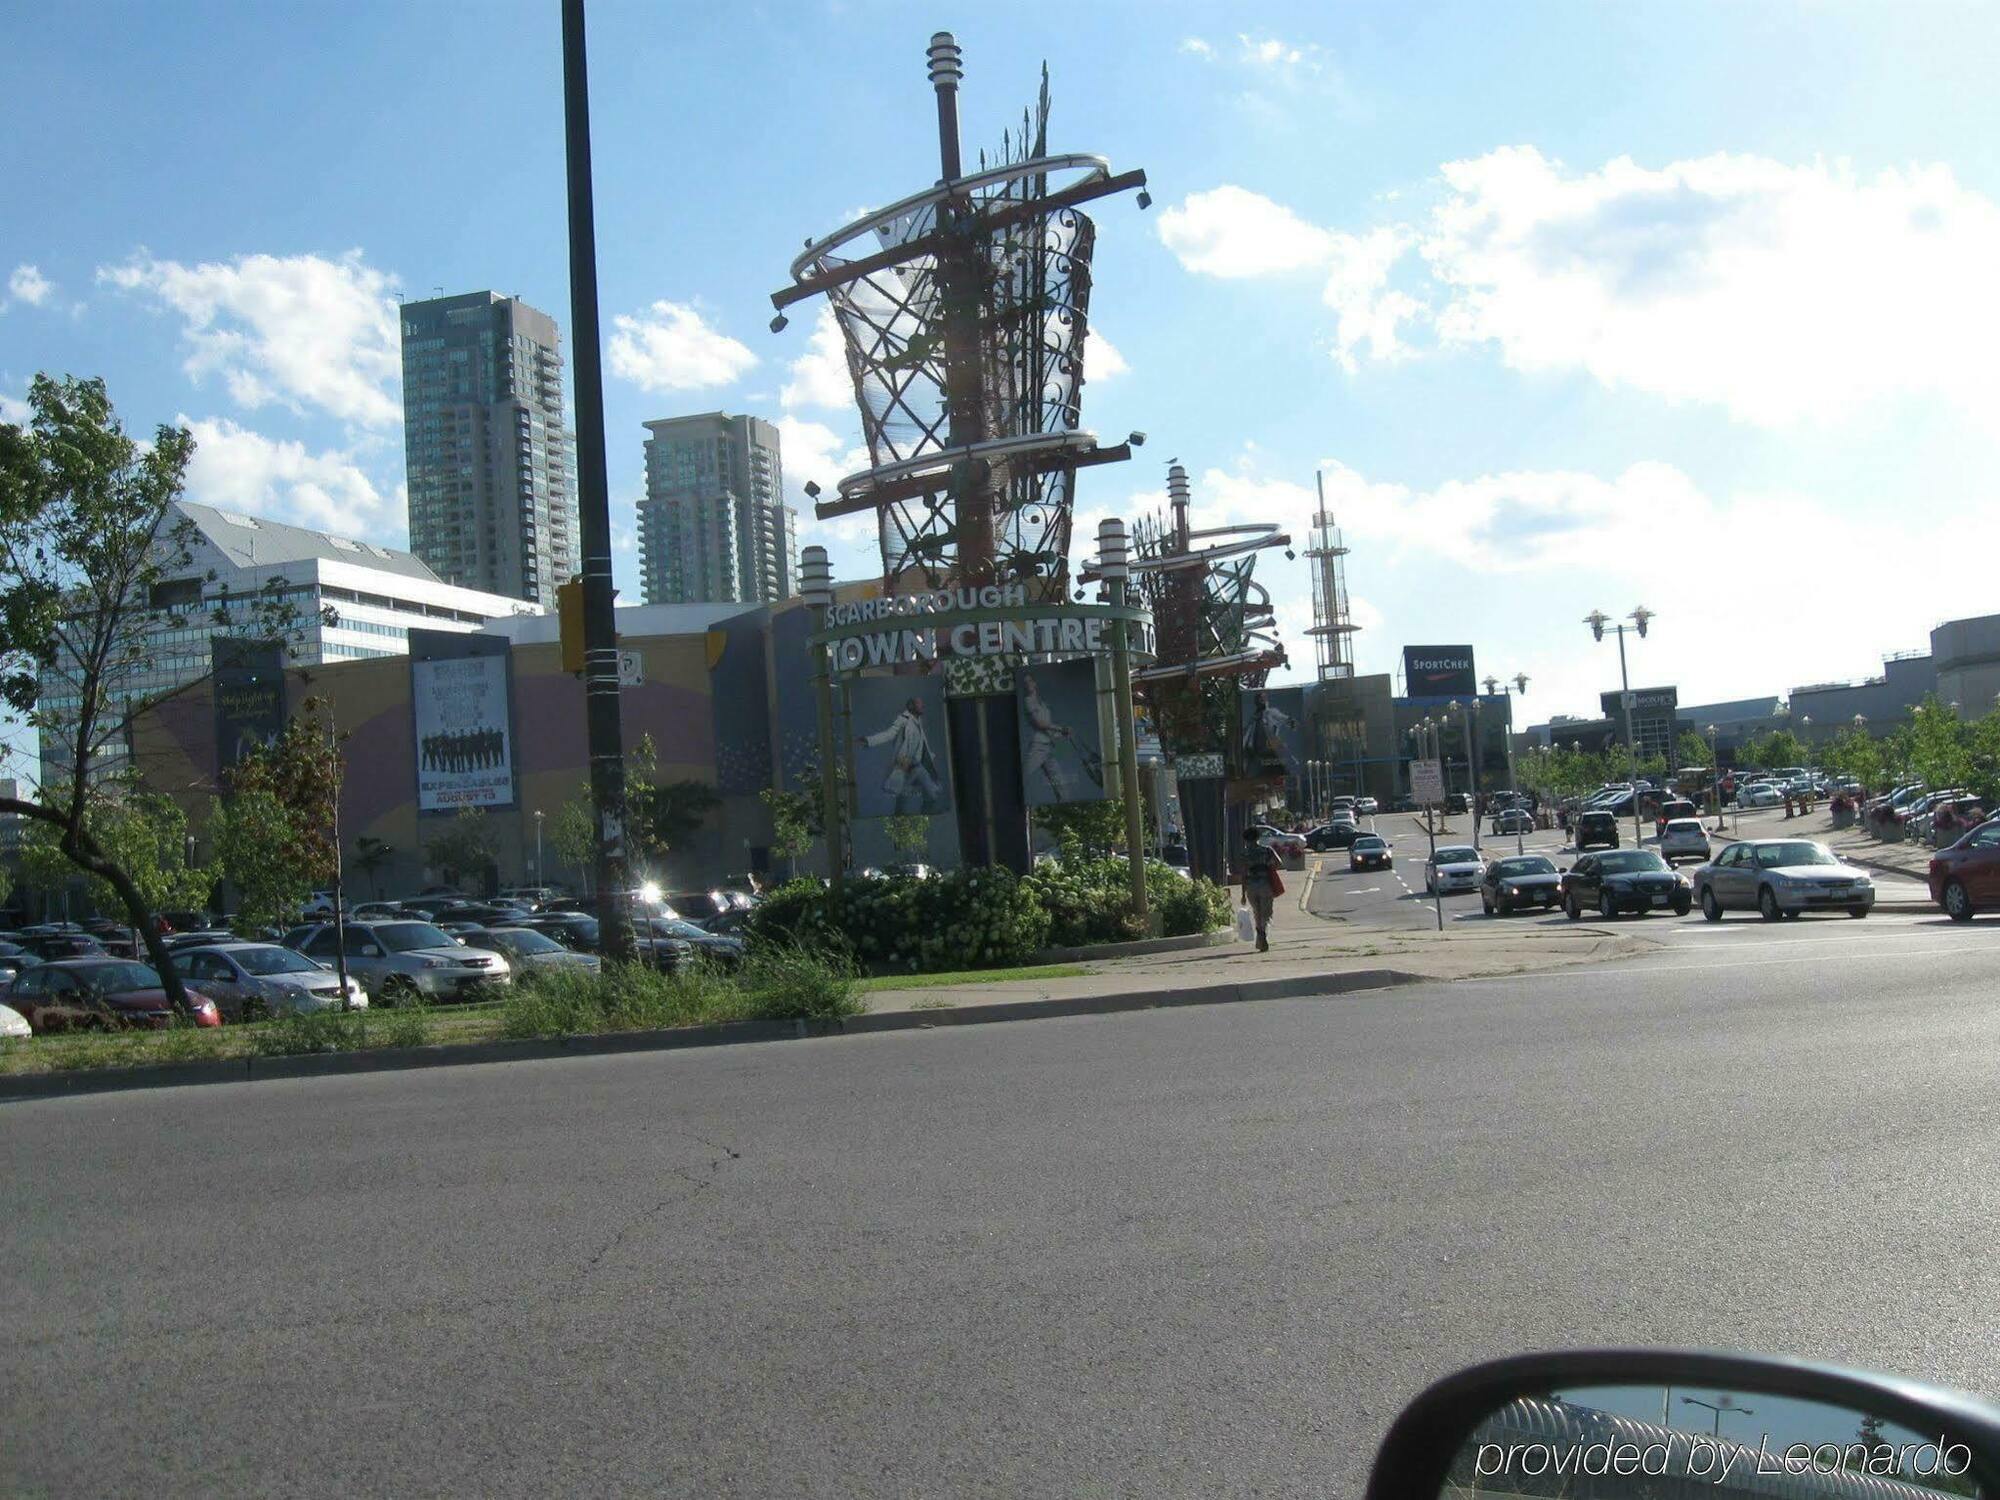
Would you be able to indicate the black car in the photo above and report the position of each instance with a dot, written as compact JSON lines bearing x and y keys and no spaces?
{"x":573,"y":929}
{"x":1522,"y":880}
{"x":1336,"y":835}
{"x":1635,"y":880}
{"x":51,"y":947}
{"x":1370,"y":851}
{"x":1596,"y":829}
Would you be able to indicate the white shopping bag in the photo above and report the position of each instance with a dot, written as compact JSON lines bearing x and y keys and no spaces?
{"x":1246,"y":925}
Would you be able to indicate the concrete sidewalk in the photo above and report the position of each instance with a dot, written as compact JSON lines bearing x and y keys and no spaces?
{"x":1309,"y":955}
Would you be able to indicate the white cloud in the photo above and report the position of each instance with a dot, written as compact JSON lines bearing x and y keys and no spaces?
{"x":1231,"y":232}
{"x":1273,"y":52}
{"x":28,"y":284}
{"x":670,"y":347}
{"x":1101,"y":359}
{"x":235,"y":468}
{"x":819,"y":376}
{"x":1782,"y":293}
{"x":1194,"y":46}
{"x":302,"y":330}
{"x":14,"y":412}
{"x":814,"y":451}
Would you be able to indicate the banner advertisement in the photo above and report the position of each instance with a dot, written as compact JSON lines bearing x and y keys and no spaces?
{"x":249,"y":696}
{"x":1062,"y":734}
{"x":1438,"y":672}
{"x":899,"y":745}
{"x":1272,"y":737}
{"x":460,"y":711}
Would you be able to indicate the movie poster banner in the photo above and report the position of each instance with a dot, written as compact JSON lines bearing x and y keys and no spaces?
{"x":249,"y":678}
{"x":463,"y":722}
{"x":1062,"y":733}
{"x":1272,"y":736}
{"x":899,"y":745}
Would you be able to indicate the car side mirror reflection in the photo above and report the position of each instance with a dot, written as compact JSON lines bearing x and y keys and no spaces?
{"x":1642,"y":1423}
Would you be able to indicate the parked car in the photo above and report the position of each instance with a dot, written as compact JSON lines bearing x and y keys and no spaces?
{"x":318,"y":907}
{"x":204,"y":937}
{"x":1289,"y":847}
{"x":1593,"y":828}
{"x":1403,"y":802}
{"x":1369,"y":851}
{"x":50,"y":946}
{"x":376,"y":911}
{"x":719,"y":947}
{"x":1513,"y":820}
{"x":13,"y":1025}
{"x":532,"y":952}
{"x":1622,"y":880}
{"x":1366,"y":807}
{"x":398,"y":961}
{"x":1457,"y":802}
{"x":573,"y":929}
{"x":1332,"y":836}
{"x":1965,"y":878}
{"x":698,"y":906}
{"x":1683,"y":838}
{"x":245,"y":978}
{"x":1781,"y":877}
{"x":97,"y":994}
{"x":1672,"y":808}
{"x":1520,"y":880}
{"x":1452,"y":868}
{"x":534,"y":895}
{"x":1759,"y":794}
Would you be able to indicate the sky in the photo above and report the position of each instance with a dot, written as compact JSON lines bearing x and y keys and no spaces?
{"x":1571,"y":306}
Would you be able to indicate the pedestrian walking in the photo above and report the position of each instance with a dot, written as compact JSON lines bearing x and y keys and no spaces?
{"x":1260,"y":883}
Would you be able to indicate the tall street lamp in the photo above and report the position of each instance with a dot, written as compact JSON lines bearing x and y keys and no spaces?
{"x":1513,"y":687}
{"x":1715,"y":777}
{"x":1599,"y":622}
{"x":1726,"y":1404}
{"x":540,"y":879}
{"x":1467,"y":717}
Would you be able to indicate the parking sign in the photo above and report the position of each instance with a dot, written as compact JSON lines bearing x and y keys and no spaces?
{"x":1427,"y":781}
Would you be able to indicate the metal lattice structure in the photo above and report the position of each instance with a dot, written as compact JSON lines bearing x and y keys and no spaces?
{"x":964,"y":310}
{"x":1214,"y":627}
{"x":1332,"y":627}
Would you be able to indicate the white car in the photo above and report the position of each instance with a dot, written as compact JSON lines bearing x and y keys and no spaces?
{"x":246,"y":977}
{"x":1366,"y":806}
{"x":1683,"y":838}
{"x":318,"y":909}
{"x":1453,"y":868}
{"x":1759,"y":794}
{"x":13,"y":1023}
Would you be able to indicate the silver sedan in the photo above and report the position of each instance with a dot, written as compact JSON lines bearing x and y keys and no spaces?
{"x":1781,"y":878}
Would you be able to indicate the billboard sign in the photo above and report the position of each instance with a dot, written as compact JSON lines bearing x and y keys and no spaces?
{"x":1062,"y":733}
{"x":1644,"y":701}
{"x":899,"y":745}
{"x":1271,"y":735}
{"x":461,"y":714}
{"x":1438,"y":672}
{"x":249,"y":696}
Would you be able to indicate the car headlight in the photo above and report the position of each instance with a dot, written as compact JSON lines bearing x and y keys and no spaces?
{"x":1506,"y":887}
{"x":440,"y":963}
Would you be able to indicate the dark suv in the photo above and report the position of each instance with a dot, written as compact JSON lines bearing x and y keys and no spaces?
{"x":1596,"y":829}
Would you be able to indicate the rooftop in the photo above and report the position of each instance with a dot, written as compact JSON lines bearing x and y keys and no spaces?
{"x":257,"y":542}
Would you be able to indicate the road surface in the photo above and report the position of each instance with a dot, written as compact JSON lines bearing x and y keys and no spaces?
{"x":1181,"y":1252}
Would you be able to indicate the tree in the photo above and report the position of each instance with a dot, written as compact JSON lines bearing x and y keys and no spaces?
{"x":1097,"y":827}
{"x":370,"y":854}
{"x":572,"y":833}
{"x":664,"y":816}
{"x":795,"y":823}
{"x":1854,"y":754}
{"x":909,"y":834}
{"x":142,"y":833}
{"x":252,"y":832}
{"x":1692,"y":750}
{"x":1778,"y":748}
{"x":1940,"y":748}
{"x":464,"y":846}
{"x":93,"y":560}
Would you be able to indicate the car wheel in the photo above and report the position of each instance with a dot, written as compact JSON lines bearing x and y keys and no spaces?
{"x":1606,"y":907}
{"x":397,"y":990}
{"x":1957,"y":904}
{"x":1767,"y":904}
{"x":1710,"y":907}
{"x":1857,"y":911}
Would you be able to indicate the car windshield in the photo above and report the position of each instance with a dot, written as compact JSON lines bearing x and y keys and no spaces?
{"x":673,"y":927}
{"x":1370,"y":841}
{"x":1631,"y":862}
{"x":111,"y":979}
{"x":521,"y":940}
{"x":1792,"y":852}
{"x":1458,"y":856}
{"x":402,"y":937}
{"x":1531,"y":864}
{"x":273,"y":961}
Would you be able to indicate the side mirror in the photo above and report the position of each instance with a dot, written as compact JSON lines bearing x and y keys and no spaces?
{"x":1642,"y":1422}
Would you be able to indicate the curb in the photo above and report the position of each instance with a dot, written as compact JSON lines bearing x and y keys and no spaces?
{"x":25,"y":1086}
{"x":1220,"y":937}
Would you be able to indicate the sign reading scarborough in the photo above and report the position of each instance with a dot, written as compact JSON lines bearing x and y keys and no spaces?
{"x":997,"y":620}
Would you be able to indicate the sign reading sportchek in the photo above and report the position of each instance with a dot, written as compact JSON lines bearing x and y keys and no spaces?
{"x":1438,"y":672}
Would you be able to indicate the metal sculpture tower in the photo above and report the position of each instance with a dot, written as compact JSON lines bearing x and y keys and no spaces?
{"x":1332,"y":627}
{"x":964,"y":309}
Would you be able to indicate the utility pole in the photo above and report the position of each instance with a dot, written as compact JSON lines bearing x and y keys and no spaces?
{"x":1114,"y":567}
{"x":600,"y":625}
{"x":1599,"y":622}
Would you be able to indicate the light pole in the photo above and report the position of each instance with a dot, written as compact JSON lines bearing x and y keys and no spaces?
{"x":1515,"y":686}
{"x":1599,"y":622}
{"x":1114,"y":566}
{"x":1467,"y":717}
{"x":1726,"y":1404}
{"x":1715,"y":777}
{"x":540,"y":879}
{"x":816,"y":588}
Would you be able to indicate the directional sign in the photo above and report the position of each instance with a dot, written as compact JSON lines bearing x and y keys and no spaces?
{"x":631,"y":669}
{"x":1427,"y":781}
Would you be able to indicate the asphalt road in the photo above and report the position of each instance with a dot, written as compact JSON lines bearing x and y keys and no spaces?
{"x":1395,"y":898}
{"x":1183,"y":1252}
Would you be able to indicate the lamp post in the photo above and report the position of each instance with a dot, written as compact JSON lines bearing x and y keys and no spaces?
{"x":1113,"y":565}
{"x":1515,"y":686}
{"x":1599,"y":622}
{"x":816,"y":588}
{"x":1715,"y":777}
{"x":1468,"y":716}
{"x":540,"y":879}
{"x":1719,"y":1407}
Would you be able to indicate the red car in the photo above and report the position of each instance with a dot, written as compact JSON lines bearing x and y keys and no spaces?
{"x":1966,"y":877}
{"x":96,"y":994}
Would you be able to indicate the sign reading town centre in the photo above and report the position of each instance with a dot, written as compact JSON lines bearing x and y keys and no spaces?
{"x":997,"y":620}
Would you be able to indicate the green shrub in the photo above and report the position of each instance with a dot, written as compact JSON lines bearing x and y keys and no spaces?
{"x":311,"y":1031}
{"x":1189,"y":906}
{"x":624,"y":997}
{"x":797,"y":983}
{"x":406,"y":1025}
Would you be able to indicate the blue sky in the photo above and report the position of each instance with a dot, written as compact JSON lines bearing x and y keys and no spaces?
{"x":1576,"y":306}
